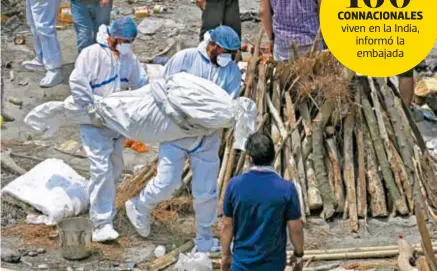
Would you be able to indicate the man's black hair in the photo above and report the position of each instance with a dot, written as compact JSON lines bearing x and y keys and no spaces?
{"x":261,"y":149}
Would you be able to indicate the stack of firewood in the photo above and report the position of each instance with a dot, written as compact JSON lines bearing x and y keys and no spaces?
{"x":346,"y":141}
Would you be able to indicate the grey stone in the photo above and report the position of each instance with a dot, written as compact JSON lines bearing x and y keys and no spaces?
{"x":70,"y":269}
{"x":41,"y":250}
{"x":138,"y":254}
{"x":43,"y":267}
{"x":32,"y":254}
{"x":10,"y":256}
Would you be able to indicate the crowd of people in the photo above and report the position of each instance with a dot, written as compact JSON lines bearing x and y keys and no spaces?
{"x":260,"y":208}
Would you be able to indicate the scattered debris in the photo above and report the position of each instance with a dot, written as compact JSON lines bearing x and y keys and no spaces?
{"x":11,"y":75}
{"x":15,"y":101}
{"x":10,"y":256}
{"x":23,"y":82}
{"x":19,"y":40}
{"x":7,"y":163}
{"x":249,"y":16}
{"x":159,"y":251}
{"x":141,"y":12}
{"x":136,"y":146}
{"x":138,"y":254}
{"x":43,"y":267}
{"x":64,"y":13}
{"x":41,"y":250}
{"x":73,"y":148}
{"x":32,"y":254}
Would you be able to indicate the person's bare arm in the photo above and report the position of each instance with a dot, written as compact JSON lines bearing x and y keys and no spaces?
{"x":265,"y":12}
{"x":295,"y":232}
{"x":296,"y":235}
{"x":227,"y":232}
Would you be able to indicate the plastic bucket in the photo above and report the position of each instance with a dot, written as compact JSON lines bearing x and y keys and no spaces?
{"x":74,"y":238}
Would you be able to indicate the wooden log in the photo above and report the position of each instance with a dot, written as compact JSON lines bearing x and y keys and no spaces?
{"x":170,"y":258}
{"x":375,"y":187}
{"x":399,"y":202}
{"x":228,"y":175}
{"x":307,"y":123}
{"x":334,"y":156}
{"x":402,"y":142}
{"x":315,"y":201}
{"x":261,"y":89}
{"x":366,"y":265}
{"x":329,"y":202}
{"x":292,"y":172}
{"x":312,"y":252}
{"x":307,"y":147}
{"x":276,"y":117}
{"x":397,"y":165}
{"x":224,"y":164}
{"x":348,"y":171}
{"x":250,"y":74}
{"x":361,"y":181}
{"x":296,"y":149}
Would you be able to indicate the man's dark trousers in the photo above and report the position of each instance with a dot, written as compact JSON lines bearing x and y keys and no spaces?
{"x":221,"y":12}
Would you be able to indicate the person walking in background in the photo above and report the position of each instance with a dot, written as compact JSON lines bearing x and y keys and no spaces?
{"x":258,"y":207}
{"x":286,"y":21}
{"x":41,"y":17}
{"x":88,"y":16}
{"x":219,"y":12}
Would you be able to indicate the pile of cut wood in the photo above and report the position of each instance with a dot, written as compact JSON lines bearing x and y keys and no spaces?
{"x":346,"y":141}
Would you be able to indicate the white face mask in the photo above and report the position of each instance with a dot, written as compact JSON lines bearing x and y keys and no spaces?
{"x":123,"y":48}
{"x":224,"y":59}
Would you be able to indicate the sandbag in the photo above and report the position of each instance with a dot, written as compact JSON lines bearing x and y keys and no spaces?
{"x":148,"y":114}
{"x":53,"y":188}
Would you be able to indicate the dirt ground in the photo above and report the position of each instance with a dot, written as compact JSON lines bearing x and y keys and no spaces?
{"x":183,"y":25}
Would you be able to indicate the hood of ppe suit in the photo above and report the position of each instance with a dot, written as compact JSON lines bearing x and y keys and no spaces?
{"x":103,"y":35}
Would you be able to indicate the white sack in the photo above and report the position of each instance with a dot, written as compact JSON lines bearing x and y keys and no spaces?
{"x":143,"y":114}
{"x":194,"y":262}
{"x":53,"y":188}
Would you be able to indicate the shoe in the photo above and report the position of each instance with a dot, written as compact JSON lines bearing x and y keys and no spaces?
{"x":206,"y":246}
{"x":52,"y":78}
{"x":141,"y":222}
{"x":33,"y":65}
{"x":105,"y":233}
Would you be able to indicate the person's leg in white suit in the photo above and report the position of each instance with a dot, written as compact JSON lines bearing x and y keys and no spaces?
{"x":205,"y":165}
{"x":167,"y":181}
{"x":104,"y":149}
{"x":41,"y":16}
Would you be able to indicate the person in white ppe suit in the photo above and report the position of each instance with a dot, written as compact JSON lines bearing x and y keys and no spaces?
{"x":212,"y":60}
{"x":41,"y":17}
{"x":101,"y":69}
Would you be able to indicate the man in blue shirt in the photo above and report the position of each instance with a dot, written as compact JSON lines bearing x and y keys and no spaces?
{"x":258,"y":207}
{"x":211,"y":60}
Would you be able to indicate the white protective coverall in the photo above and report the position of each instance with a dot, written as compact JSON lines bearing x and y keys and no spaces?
{"x":41,"y":18}
{"x":202,"y":151}
{"x":98,"y":72}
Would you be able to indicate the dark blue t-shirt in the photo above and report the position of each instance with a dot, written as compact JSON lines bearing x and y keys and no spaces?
{"x":260,"y":204}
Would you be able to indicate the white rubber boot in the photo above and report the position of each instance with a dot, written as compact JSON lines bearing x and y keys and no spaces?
{"x":105,"y":233}
{"x":52,"y":78}
{"x":33,"y":65}
{"x":141,"y":222}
